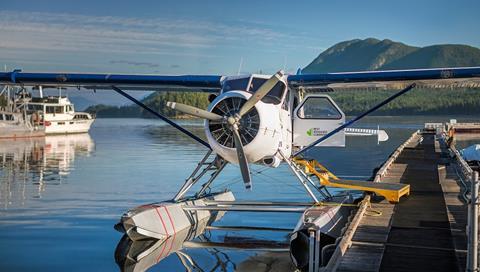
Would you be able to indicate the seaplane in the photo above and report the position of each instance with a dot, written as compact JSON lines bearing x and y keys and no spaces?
{"x":257,"y":119}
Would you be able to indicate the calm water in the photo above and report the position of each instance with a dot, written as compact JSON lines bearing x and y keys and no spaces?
{"x":60,"y":196}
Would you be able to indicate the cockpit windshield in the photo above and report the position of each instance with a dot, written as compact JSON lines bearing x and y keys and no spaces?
{"x":273,"y":97}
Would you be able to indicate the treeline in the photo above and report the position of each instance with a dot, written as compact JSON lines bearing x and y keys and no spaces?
{"x":415,"y":102}
{"x":156,"y":101}
{"x":354,"y":102}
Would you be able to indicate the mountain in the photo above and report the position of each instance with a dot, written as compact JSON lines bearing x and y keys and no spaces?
{"x":374,"y":54}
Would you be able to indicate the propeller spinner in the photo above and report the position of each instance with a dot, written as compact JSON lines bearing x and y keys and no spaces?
{"x":233,"y":120}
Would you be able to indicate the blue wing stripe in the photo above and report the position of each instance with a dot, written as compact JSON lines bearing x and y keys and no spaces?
{"x":188,"y":81}
{"x":398,"y":75}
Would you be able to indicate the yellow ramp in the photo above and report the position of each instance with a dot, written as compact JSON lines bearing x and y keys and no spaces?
{"x":391,"y":191}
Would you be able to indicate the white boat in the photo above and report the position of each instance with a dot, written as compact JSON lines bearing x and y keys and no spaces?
{"x":19,"y":125}
{"x":59,"y":115}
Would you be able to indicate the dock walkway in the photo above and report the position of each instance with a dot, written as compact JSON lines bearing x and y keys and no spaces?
{"x":426,"y":230}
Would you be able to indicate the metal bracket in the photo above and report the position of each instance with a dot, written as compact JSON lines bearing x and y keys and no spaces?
{"x":299,"y":177}
{"x":216,"y":165}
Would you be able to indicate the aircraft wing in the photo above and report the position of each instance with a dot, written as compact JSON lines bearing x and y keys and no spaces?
{"x":468,"y":77}
{"x":464,"y":77}
{"x":197,"y":83}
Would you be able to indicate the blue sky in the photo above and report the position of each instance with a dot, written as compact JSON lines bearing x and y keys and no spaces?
{"x":210,"y":37}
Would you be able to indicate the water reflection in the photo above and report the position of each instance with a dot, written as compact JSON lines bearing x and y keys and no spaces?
{"x":40,"y":162}
{"x":141,"y":255}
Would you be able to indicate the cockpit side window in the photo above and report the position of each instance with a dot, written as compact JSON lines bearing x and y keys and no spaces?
{"x":318,"y":108}
{"x":240,"y":84}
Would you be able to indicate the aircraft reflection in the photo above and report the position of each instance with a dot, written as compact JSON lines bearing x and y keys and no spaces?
{"x":39,"y":161}
{"x":141,"y":255}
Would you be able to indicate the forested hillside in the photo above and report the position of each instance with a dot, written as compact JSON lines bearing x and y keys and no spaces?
{"x":360,"y":55}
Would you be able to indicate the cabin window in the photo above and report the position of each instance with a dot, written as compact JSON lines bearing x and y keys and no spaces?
{"x":80,"y":116}
{"x":55,"y":109}
{"x":69,"y":108}
{"x":61,"y":123}
{"x":34,"y":107}
{"x":318,"y":108}
{"x":8,"y":117}
{"x":1,"y":117}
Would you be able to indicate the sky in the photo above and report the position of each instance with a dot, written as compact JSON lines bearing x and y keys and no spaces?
{"x":214,"y":37}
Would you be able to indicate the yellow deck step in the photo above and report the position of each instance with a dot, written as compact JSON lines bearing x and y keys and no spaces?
{"x":391,"y":191}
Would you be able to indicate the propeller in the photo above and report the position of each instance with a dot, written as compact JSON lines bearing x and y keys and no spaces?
{"x":233,"y":120}
{"x":194,"y":111}
{"x":242,"y":160}
{"x":261,"y":92}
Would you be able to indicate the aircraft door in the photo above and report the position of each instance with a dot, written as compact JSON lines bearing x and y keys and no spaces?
{"x":316,"y":116}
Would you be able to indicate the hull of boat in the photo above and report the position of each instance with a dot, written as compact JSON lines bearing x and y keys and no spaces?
{"x":20,"y":131}
{"x":69,"y":126}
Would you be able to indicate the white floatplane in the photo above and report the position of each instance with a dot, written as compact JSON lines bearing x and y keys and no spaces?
{"x":265,"y":120}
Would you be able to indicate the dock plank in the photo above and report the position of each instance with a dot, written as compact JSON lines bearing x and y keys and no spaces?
{"x":425,"y":231}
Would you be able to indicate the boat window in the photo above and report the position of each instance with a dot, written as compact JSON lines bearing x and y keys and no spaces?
{"x":33,"y":107}
{"x":318,"y":108}
{"x":236,"y":84}
{"x":50,"y":109}
{"x":1,"y":117}
{"x":69,"y":108}
{"x":9,"y":117}
{"x":80,"y":116}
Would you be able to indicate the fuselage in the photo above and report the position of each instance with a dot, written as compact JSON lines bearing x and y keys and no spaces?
{"x":266,"y":130}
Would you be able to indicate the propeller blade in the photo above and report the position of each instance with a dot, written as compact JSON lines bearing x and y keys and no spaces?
{"x":261,"y":92}
{"x":194,"y":111}
{"x":242,"y":160}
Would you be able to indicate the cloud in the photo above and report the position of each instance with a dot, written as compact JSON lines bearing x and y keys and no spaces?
{"x":53,"y":41}
{"x":135,"y":63}
{"x":72,"y":32}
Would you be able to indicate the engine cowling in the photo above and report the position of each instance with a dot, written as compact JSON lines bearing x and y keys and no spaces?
{"x":259,"y":129}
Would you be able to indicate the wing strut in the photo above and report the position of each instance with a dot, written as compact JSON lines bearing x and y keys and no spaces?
{"x":349,"y":123}
{"x":164,"y":118}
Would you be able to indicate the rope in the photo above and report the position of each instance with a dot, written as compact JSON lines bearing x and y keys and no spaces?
{"x":371,"y":212}
{"x":322,"y":203}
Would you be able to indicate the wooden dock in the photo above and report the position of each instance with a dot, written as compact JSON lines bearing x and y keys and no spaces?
{"x":425,"y":231}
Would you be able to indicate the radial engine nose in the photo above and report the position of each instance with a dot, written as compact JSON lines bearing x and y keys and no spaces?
{"x":248,"y":125}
